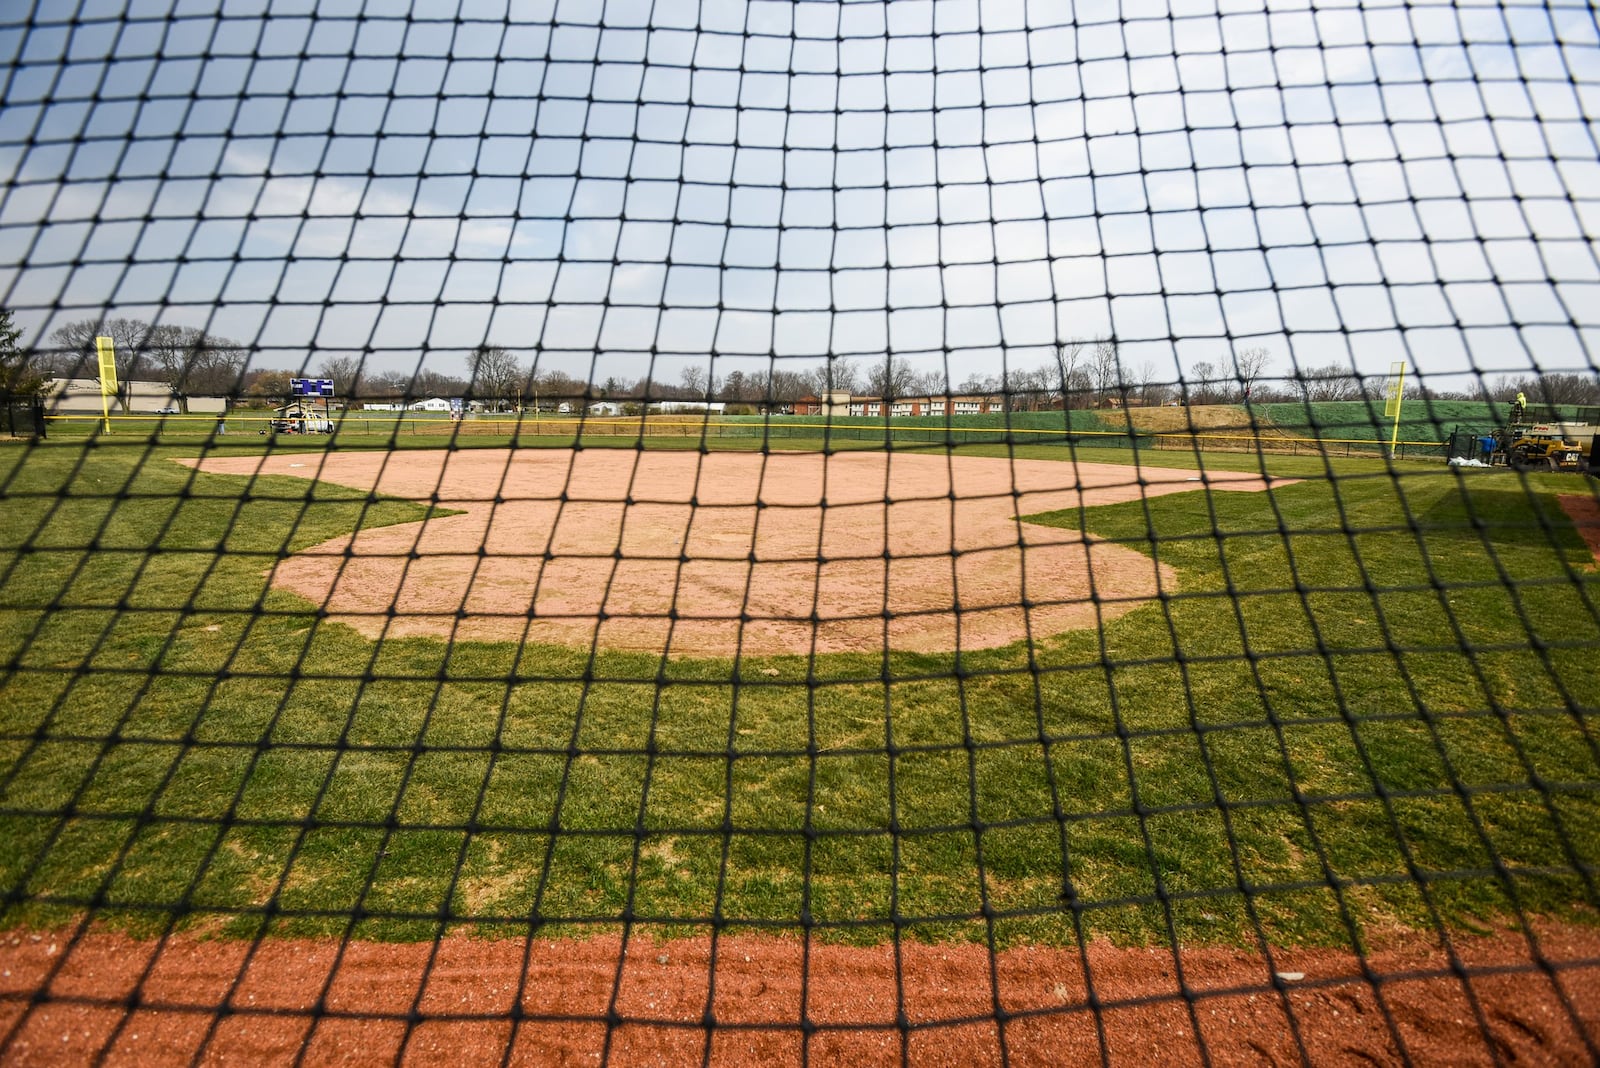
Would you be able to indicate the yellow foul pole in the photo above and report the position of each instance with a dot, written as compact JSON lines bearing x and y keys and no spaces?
{"x":1397,"y":386}
{"x":107,"y":351}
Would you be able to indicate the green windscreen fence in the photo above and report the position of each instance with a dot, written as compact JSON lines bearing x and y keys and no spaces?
{"x":721,"y":532}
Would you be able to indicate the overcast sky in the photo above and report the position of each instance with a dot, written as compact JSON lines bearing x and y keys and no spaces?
{"x":611,"y":184}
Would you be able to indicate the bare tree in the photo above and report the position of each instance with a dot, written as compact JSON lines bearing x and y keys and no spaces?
{"x":217,"y":365}
{"x":1027,"y":388}
{"x":1200,"y":388}
{"x":167,"y":349}
{"x":551,"y":387}
{"x":495,"y":374}
{"x":891,"y":378}
{"x":188,"y":360}
{"x":979,"y":384}
{"x":1556,"y":387}
{"x":835,"y":373}
{"x":345,"y":371}
{"x":1068,"y":375}
{"x":403,"y":387}
{"x":1419,"y":392}
{"x":1504,"y":388}
{"x":935,"y":383}
{"x":1105,"y":368}
{"x":1251,"y":364}
{"x":76,"y":355}
{"x":785,"y":387}
{"x":430,"y":383}
{"x":693,"y":380}
{"x":1328,"y":382}
{"x":71,"y":352}
{"x":385,"y":385}
{"x":1152,"y":391}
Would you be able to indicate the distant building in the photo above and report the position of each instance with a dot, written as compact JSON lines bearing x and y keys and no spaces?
{"x":975,"y":404}
{"x":901,"y":407}
{"x":675,"y":407}
{"x":432,"y":404}
{"x":68,"y":396}
{"x":605,"y":408}
{"x":1129,"y":401}
{"x":833,"y":402}
{"x":64,"y":396}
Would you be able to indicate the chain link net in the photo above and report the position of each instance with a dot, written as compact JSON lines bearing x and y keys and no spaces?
{"x":1013,"y":533}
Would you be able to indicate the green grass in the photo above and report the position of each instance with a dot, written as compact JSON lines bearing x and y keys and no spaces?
{"x":1419,"y":420}
{"x":1406,"y":713}
{"x":361,"y":429}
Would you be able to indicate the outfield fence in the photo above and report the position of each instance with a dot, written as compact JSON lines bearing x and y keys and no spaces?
{"x":530,"y":427}
{"x":21,"y":417}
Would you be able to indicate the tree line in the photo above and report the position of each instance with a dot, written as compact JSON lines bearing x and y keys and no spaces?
{"x":500,"y":380}
{"x":186,"y":359}
{"x":1079,"y":373}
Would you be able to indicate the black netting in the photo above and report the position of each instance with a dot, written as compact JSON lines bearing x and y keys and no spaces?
{"x":838,"y":532}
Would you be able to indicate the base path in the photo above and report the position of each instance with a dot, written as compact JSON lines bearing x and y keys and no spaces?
{"x":725,"y":553}
{"x":1584,"y":511}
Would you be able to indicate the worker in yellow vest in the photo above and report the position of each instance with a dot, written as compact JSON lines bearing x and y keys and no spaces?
{"x":1518,"y":407}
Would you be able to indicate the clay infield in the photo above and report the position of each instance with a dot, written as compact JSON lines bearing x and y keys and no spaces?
{"x":725,"y":553}
{"x":1507,"y":999}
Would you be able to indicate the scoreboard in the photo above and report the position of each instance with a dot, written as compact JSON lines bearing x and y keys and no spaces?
{"x":311,"y":387}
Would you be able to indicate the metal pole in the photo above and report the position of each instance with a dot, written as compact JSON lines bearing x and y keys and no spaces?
{"x":1399,"y":402}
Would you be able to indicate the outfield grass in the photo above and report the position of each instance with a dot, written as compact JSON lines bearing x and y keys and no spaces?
{"x":1420,"y":420}
{"x":410,"y":430}
{"x":1018,"y":430}
{"x":1319,"y":732}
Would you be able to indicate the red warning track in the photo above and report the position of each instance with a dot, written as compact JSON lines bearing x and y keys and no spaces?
{"x":456,"y":1001}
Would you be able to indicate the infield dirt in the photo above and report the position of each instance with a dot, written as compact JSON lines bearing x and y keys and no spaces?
{"x":1507,"y":999}
{"x":725,"y":553}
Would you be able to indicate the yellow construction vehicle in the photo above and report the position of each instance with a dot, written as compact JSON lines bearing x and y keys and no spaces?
{"x":1538,"y":446}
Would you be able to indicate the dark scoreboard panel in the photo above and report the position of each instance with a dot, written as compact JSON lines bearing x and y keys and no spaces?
{"x":311,"y":387}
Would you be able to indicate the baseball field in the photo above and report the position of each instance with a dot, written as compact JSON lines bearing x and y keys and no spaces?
{"x":946,"y":754}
